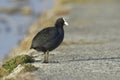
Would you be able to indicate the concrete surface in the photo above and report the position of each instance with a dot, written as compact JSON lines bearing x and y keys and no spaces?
{"x":93,"y":52}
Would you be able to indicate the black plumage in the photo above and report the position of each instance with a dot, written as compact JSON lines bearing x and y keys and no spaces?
{"x":49,"y":38}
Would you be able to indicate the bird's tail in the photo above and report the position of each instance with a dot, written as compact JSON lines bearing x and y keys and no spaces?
{"x":31,"y":47}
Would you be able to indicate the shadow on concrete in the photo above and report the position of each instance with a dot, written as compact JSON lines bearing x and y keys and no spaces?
{"x":94,"y":59}
{"x":41,"y":61}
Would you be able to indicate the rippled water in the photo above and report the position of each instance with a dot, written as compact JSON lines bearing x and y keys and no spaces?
{"x":14,"y":26}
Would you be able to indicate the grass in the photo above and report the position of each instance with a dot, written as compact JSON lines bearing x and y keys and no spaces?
{"x":11,"y":64}
{"x":28,"y":68}
{"x":3,"y":72}
{"x":26,"y":43}
{"x":14,"y":62}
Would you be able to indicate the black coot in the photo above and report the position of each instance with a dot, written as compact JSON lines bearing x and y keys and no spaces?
{"x":49,"y":38}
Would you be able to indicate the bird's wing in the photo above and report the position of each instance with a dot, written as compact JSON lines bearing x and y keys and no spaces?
{"x":44,"y":36}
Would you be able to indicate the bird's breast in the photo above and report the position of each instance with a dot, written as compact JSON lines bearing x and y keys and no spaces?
{"x":54,"y":43}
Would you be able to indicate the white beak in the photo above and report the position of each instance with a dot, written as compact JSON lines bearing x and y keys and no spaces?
{"x":65,"y":22}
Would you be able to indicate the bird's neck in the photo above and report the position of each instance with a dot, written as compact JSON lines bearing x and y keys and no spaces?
{"x":60,"y":28}
{"x":59,"y":25}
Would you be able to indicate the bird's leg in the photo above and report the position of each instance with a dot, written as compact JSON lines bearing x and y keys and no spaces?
{"x":46,"y":56}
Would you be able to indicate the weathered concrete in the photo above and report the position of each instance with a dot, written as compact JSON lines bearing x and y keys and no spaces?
{"x":93,"y":52}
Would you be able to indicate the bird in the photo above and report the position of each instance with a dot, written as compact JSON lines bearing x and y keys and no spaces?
{"x":49,"y":38}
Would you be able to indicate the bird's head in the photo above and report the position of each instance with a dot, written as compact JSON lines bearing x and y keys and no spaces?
{"x":61,"y":22}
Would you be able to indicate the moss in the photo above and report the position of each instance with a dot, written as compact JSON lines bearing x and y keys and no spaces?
{"x":28,"y":68}
{"x":3,"y":72}
{"x":14,"y":62}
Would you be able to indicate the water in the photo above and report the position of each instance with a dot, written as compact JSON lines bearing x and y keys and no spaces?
{"x":14,"y":26}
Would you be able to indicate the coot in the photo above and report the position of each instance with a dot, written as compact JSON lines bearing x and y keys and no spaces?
{"x":49,"y":38}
